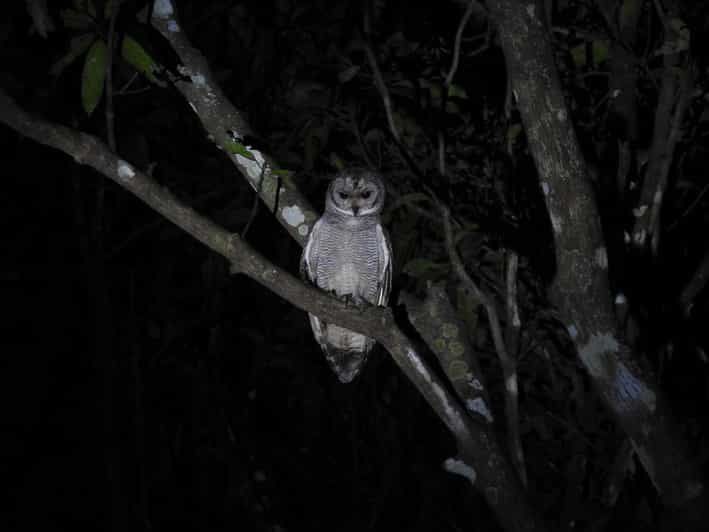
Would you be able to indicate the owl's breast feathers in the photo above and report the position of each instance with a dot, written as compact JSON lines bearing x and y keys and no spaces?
{"x":345,"y":262}
{"x":348,"y":261}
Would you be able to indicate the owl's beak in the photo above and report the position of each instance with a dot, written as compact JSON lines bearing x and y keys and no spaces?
{"x":355,"y":209}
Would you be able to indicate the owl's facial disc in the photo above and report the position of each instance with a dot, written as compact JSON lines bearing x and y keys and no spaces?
{"x":355,"y":196}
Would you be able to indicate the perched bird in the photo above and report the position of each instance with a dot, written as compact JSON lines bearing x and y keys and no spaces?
{"x":348,"y":253}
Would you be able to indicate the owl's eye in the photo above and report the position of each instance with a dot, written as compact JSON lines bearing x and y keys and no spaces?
{"x":343,"y":195}
{"x":366,"y":194}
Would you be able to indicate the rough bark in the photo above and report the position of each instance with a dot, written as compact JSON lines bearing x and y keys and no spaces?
{"x":580,"y":289}
{"x":230,"y":131}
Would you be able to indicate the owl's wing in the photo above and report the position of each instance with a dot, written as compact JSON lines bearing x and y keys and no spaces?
{"x":385,"y":266}
{"x":308,"y":271}
{"x":308,"y":260}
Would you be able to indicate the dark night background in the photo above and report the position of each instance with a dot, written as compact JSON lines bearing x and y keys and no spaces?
{"x":145,"y":388}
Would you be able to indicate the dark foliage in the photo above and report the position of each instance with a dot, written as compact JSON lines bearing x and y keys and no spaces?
{"x":145,"y":388}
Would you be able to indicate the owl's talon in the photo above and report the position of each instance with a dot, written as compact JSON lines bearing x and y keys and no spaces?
{"x":349,"y":300}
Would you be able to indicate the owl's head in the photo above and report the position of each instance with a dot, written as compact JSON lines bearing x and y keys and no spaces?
{"x":355,"y":193}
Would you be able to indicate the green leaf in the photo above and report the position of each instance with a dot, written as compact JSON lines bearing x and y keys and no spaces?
{"x":77,"y":46}
{"x":600,"y":51}
{"x":426,"y":269}
{"x":336,"y":161}
{"x":235,"y":147}
{"x":578,"y":54}
{"x":456,"y":91}
{"x":94,"y":76}
{"x":135,"y":55}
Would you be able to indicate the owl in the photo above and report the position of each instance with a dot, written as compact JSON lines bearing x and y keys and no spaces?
{"x":348,"y":253}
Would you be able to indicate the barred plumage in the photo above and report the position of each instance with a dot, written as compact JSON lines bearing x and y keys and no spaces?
{"x":348,"y":253}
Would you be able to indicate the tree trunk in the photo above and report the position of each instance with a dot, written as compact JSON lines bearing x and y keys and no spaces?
{"x":580,"y":289}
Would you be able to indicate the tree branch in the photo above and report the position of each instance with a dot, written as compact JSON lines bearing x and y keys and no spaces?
{"x":509,"y":365}
{"x":437,"y":322}
{"x":458,"y":38}
{"x":477,"y":448}
{"x":695,"y":285}
{"x":230,"y":131}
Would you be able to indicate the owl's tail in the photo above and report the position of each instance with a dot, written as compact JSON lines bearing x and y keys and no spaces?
{"x":346,"y":351}
{"x":346,"y":364}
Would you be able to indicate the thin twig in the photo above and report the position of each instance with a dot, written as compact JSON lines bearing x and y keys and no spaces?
{"x":358,"y":136}
{"x":127,"y":84}
{"x":661,"y":13}
{"x":683,"y":97}
{"x":110,"y":130}
{"x":691,"y":207}
{"x":456,"y":46}
{"x":513,"y":321}
{"x":512,"y":343}
{"x":507,"y":363}
{"x":158,"y":222}
{"x":254,"y":207}
{"x":110,"y":126}
{"x":441,"y":153}
{"x":696,"y":284}
{"x":378,"y":79}
{"x":616,"y":475}
{"x":386,"y":100}
{"x":673,"y":99}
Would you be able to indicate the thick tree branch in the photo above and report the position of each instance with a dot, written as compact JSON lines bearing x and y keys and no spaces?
{"x":478,"y":448}
{"x":230,"y":132}
{"x":437,"y":322}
